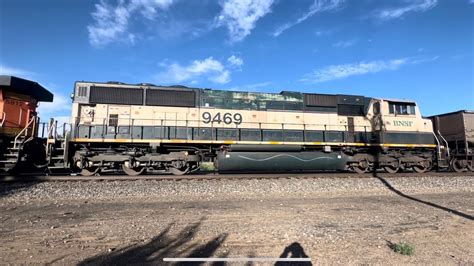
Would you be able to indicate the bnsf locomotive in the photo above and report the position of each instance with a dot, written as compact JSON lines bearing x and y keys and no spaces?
{"x":175,"y":129}
{"x":20,"y":147}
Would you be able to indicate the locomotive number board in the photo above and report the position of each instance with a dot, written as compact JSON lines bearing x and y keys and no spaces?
{"x":218,"y":118}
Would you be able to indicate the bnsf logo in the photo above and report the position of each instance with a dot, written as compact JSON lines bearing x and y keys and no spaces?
{"x":403,"y":123}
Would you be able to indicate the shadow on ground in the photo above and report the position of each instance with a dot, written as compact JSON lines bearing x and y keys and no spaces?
{"x":181,"y":246}
{"x":161,"y":246}
{"x":295,"y":250}
{"x":10,"y":188}
{"x":398,"y":192}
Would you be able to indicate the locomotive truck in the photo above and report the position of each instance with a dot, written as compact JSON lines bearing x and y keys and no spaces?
{"x":137,"y":128}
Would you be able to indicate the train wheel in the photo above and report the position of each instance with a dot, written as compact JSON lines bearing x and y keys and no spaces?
{"x":360,"y":170}
{"x":419,"y":169}
{"x":362,"y":167}
{"x":90,"y":171}
{"x":423,"y":167}
{"x":470,"y":168}
{"x":180,"y":171}
{"x":391,"y":169}
{"x":458,"y":166}
{"x":133,"y":171}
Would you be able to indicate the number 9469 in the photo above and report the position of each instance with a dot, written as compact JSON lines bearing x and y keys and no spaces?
{"x":226,"y":118}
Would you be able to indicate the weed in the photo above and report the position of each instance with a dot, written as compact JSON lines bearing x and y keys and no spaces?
{"x":402,"y":248}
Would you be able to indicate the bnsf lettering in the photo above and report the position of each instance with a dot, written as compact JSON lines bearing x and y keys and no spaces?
{"x":13,"y":102}
{"x":403,"y":123}
{"x":218,"y":118}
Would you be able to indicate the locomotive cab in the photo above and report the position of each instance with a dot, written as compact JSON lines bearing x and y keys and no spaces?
{"x":399,"y":122}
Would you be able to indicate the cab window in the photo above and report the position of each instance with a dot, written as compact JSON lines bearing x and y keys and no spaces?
{"x":401,"y":108}
{"x":376,"y":108}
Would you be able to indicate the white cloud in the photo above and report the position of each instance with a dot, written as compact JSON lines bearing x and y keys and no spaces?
{"x":344,"y":44}
{"x":335,"y":72}
{"x":317,"y":6}
{"x":149,"y":8}
{"x":111,"y":23}
{"x":241,"y":16}
{"x":419,"y":60}
{"x":59,"y":108}
{"x":208,"y":68}
{"x":320,"y":33}
{"x":12,"y":71}
{"x":60,"y":104}
{"x":235,"y":61}
{"x":414,"y":6}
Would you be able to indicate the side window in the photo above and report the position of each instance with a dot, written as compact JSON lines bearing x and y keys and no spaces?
{"x":391,"y":108}
{"x":401,"y":108}
{"x":376,"y":108}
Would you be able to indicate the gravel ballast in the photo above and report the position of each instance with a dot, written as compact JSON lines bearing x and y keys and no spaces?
{"x":178,"y":190}
{"x":330,"y":219}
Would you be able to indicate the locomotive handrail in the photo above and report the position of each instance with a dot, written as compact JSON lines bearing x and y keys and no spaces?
{"x":186,"y":121}
{"x":22,"y":131}
{"x":52,"y":124}
{"x":446,"y":142}
{"x":109,"y":127}
{"x":4,"y":115}
{"x":438,"y":146}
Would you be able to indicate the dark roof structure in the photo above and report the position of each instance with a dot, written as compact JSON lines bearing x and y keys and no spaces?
{"x":27,"y":87}
{"x":452,"y":113}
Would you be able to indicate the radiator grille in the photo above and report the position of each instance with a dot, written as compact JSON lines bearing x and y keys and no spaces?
{"x":116,"y":95}
{"x":350,"y":110}
{"x":321,"y":100}
{"x":170,"y":98}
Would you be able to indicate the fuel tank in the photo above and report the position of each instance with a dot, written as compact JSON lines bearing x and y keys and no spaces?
{"x":280,"y":161}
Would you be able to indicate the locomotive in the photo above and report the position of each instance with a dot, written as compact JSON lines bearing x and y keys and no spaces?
{"x":20,"y":147}
{"x":137,"y":128}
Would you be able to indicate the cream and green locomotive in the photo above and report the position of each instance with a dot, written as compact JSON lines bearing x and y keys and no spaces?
{"x":143,"y":127}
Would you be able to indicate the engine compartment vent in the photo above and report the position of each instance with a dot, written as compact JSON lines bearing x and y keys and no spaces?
{"x":178,"y":98}
{"x":320,"y":100}
{"x":115,"y":95}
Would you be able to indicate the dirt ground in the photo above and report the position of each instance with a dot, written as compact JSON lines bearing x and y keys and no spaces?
{"x":329,"y":228}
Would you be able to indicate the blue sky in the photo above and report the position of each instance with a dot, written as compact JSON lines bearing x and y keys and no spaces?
{"x":418,"y":49}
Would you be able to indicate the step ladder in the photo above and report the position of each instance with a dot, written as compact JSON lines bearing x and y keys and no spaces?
{"x":56,"y":146}
{"x":13,"y":156}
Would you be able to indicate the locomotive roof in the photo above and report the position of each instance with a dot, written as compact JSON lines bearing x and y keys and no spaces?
{"x":454,"y":112}
{"x":284,"y":93}
{"x":26,"y":87}
{"x":398,"y":100}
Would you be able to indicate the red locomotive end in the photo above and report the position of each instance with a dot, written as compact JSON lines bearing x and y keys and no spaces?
{"x":18,"y":101}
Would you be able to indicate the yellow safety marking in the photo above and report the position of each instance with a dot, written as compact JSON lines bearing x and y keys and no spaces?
{"x":358,"y":144}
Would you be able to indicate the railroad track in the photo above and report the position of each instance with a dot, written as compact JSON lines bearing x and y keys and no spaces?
{"x":215,"y":175}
